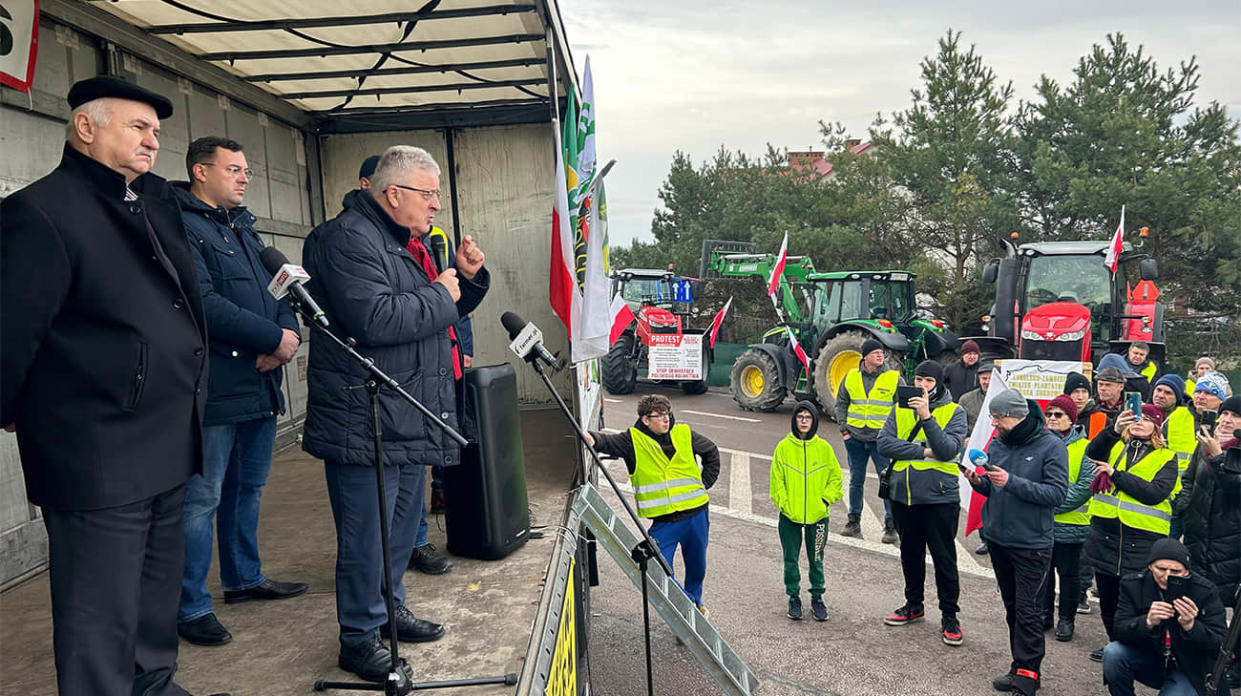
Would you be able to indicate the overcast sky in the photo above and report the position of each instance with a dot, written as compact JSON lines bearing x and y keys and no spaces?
{"x":696,"y":74}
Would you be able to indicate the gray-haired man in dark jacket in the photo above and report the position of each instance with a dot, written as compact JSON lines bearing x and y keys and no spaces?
{"x":1026,"y":483}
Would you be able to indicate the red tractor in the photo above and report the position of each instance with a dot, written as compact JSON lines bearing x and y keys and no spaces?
{"x":657,"y":345}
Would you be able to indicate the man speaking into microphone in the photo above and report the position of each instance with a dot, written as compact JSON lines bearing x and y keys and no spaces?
{"x":379,"y":286}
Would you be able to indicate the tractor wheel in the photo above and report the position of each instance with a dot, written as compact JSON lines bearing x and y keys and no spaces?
{"x":755,"y":382}
{"x":839,"y":355}
{"x":620,"y":369}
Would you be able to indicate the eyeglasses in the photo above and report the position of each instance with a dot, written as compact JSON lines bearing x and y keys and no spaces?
{"x":232,"y":170}
{"x":652,"y":416}
{"x":804,"y":416}
{"x":1057,"y":414}
{"x":428,"y":194}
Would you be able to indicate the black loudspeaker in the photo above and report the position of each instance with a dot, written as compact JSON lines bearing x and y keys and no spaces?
{"x":485,"y":503}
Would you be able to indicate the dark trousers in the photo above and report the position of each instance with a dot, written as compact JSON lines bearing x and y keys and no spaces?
{"x":1023,"y":576}
{"x":116,"y":577}
{"x":360,"y":607}
{"x":1066,"y":560}
{"x":791,"y":535}
{"x":934,"y":528}
{"x":1109,"y":599}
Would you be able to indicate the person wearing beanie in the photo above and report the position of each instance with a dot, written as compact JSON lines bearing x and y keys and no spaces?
{"x":1136,"y":477}
{"x":924,"y":441}
{"x":1077,"y":388}
{"x":1165,"y":638}
{"x":1072,"y":518}
{"x":1027,"y":480}
{"x":367,"y":170}
{"x":1209,"y":499}
{"x":1201,"y":367}
{"x":972,"y":400}
{"x":805,"y":481}
{"x":1210,"y":390}
{"x":1178,"y":427}
{"x":962,"y":375}
{"x":864,"y":399}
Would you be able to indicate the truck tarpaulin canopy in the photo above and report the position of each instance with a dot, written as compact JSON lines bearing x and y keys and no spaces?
{"x":351,"y":66}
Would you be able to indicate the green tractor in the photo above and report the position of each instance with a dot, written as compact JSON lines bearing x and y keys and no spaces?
{"x":831,"y":314}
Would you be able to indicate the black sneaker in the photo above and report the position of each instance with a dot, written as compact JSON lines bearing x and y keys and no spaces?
{"x":853,"y":528}
{"x":904,"y":615}
{"x":1083,"y":606}
{"x":950,"y":631}
{"x":1064,"y":630}
{"x":889,"y":533}
{"x":1003,"y":683}
{"x":1096,"y":655}
{"x":818,"y":609}
{"x":794,"y":612}
{"x":425,"y":559}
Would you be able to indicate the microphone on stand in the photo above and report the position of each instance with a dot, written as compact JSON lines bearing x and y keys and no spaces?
{"x":287,"y":279}
{"x":528,"y":341}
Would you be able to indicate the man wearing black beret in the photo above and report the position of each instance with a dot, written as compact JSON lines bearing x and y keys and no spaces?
{"x":103,"y":378}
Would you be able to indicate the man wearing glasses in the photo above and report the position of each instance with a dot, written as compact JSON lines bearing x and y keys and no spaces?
{"x":669,"y":488}
{"x":252,"y":336}
{"x":366,"y":276}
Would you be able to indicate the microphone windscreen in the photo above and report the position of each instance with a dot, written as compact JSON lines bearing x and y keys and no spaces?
{"x":512,"y":323}
{"x":978,"y":457}
{"x":272,"y":259}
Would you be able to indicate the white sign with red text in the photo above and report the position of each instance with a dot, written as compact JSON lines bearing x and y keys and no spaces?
{"x":19,"y":42}
{"x":675,"y":357}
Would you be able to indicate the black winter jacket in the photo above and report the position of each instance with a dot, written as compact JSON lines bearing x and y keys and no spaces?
{"x":961,"y":378}
{"x":373,"y":290}
{"x":1210,"y":507}
{"x":1019,"y":515}
{"x":243,"y":319}
{"x":1195,"y":650}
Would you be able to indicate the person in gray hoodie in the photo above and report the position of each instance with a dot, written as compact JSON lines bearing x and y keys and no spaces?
{"x":1024,"y":483}
{"x":924,"y":441}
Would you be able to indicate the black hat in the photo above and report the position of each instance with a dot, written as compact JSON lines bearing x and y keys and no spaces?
{"x":1169,"y":549}
{"x":930,"y":368}
{"x":1232,"y":403}
{"x":368,"y":167}
{"x":116,"y":88}
{"x":869,"y":346}
{"x":1075,"y":381}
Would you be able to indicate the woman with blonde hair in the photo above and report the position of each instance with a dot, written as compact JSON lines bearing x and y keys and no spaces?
{"x":1136,"y":477}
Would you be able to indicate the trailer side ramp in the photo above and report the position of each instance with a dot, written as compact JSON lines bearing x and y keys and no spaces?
{"x":709,"y":648}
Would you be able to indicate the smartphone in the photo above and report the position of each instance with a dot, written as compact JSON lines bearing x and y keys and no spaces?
{"x":1208,"y":421}
{"x":904,"y":394}
{"x":1176,"y":588}
{"x":1134,"y":400}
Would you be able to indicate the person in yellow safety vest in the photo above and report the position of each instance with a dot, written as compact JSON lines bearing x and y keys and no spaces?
{"x":864,"y":400}
{"x":1201,"y":367}
{"x":1178,"y":430}
{"x":805,"y":481}
{"x":1138,"y":362}
{"x":668,"y":486}
{"x":1136,"y":477}
{"x":1071,"y":520}
{"x":924,"y":441}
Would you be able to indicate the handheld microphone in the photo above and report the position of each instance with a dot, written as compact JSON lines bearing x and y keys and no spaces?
{"x":287,"y":279}
{"x":527,"y":341}
{"x":439,"y":252}
{"x":980,"y":458}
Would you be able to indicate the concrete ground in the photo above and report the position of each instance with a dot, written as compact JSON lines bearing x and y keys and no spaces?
{"x":280,"y":648}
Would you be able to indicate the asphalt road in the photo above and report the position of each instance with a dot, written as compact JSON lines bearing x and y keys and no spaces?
{"x":851,"y":654}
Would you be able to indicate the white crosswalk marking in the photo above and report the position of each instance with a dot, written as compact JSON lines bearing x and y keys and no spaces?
{"x":739,"y":492}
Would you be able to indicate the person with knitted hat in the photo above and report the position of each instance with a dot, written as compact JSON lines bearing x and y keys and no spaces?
{"x":1165,"y":636}
{"x":962,"y":375}
{"x":1027,"y":479}
{"x":924,"y":440}
{"x":864,"y":398}
{"x":1178,"y":425}
{"x":1202,"y":366}
{"x":1208,"y":501}
{"x":1136,"y":477}
{"x":1210,"y":390}
{"x":1072,"y":517}
{"x":1077,"y":388}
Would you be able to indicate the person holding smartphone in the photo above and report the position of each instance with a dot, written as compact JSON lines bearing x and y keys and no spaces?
{"x":1135,"y":479}
{"x":1210,"y":498}
{"x":1169,"y":626}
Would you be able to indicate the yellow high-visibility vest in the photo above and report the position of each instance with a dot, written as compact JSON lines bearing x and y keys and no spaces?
{"x":1149,"y":371}
{"x":906,"y":419}
{"x":661,"y":485}
{"x":1132,"y":513}
{"x":870,"y":410}
{"x":1081,"y":515}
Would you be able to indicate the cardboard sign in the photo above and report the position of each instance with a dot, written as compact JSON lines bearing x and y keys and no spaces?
{"x":675,"y":357}
{"x":19,"y":42}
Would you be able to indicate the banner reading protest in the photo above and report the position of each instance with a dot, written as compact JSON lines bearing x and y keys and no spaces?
{"x":1041,"y":380}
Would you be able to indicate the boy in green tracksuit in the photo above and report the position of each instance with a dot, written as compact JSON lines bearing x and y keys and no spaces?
{"x":805,"y":481}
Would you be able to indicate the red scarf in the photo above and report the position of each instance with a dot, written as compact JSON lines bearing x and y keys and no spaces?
{"x":423,"y":257}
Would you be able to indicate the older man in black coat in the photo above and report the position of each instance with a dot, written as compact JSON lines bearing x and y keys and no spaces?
{"x":378,"y":285}
{"x":104,"y":378}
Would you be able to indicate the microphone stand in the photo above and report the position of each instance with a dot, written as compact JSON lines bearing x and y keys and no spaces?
{"x":400,"y":676}
{"x":646,"y":549}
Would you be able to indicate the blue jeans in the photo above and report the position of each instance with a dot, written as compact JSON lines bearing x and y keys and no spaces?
{"x":859,"y":452}
{"x":360,"y":608}
{"x":1123,"y":664}
{"x":691,"y":535}
{"x":236,"y":462}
